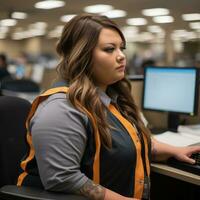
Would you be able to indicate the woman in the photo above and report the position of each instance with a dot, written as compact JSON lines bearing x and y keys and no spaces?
{"x":86,"y":133}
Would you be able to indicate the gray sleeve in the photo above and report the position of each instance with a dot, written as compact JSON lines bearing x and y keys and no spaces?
{"x":59,"y":138}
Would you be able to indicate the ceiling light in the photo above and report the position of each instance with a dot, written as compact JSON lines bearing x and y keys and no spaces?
{"x":195,"y":25}
{"x":27,"y":34}
{"x":136,"y":21}
{"x":98,"y":8}
{"x":155,"y":12}
{"x":36,"y":32}
{"x":38,"y":25}
{"x":180,"y":33}
{"x":59,"y":28}
{"x":130,"y":29}
{"x":8,"y":22}
{"x":163,"y":19}
{"x":56,"y":32}
{"x":19,"y":15}
{"x":49,"y":4}
{"x":115,"y":13}
{"x":191,"y":17}
{"x":191,"y":35}
{"x":66,"y":18}
{"x":154,"y":29}
{"x":146,"y":36}
{"x":141,"y":37}
{"x":129,"y":32}
{"x":4,"y":29}
{"x":183,"y":35}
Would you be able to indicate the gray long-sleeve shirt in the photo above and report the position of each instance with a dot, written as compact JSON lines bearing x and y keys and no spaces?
{"x":59,"y":138}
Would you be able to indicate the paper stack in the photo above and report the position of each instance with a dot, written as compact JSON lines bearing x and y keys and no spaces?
{"x":190,"y":129}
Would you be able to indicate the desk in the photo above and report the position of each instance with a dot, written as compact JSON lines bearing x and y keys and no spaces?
{"x":175,"y":173}
{"x":174,"y":184}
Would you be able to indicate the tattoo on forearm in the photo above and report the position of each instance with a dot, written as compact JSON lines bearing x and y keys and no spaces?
{"x":92,"y":191}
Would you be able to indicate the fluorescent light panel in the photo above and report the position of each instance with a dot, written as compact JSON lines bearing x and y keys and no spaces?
{"x":183,"y":35}
{"x":130,"y":29}
{"x":191,"y":17}
{"x":4,"y":29}
{"x":136,"y":21}
{"x":194,"y":25}
{"x":27,"y":34}
{"x":115,"y":13}
{"x":155,"y":12}
{"x":49,"y":4}
{"x":154,"y":29}
{"x":98,"y":8}
{"x":38,"y":25}
{"x":66,"y":18}
{"x":8,"y":22}
{"x":19,"y":15}
{"x":163,"y":19}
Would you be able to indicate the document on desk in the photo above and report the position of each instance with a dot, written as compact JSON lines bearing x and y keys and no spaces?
{"x":190,"y":129}
{"x":177,"y":139}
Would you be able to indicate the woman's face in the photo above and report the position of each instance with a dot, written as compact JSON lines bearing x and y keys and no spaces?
{"x":108,"y":60}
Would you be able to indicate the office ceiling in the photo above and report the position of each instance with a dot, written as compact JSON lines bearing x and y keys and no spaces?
{"x":133,"y":8}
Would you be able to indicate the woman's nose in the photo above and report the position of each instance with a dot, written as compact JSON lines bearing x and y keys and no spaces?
{"x":120,"y":57}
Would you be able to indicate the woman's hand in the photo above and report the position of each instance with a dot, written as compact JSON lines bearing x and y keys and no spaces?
{"x":162,"y":151}
{"x":184,"y":153}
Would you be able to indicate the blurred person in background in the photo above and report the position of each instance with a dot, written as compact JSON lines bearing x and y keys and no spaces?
{"x":3,"y":66}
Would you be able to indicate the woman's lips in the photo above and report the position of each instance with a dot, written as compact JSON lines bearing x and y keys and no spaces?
{"x":121,"y":68}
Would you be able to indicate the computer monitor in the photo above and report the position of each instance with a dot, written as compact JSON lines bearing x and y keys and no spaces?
{"x":173,"y":90}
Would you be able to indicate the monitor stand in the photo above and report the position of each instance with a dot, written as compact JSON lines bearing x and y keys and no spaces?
{"x":173,"y":121}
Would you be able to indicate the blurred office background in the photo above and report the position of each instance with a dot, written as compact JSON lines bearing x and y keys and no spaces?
{"x":158,"y":32}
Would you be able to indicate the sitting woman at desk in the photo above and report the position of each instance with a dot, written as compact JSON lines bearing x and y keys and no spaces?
{"x":86,"y":134}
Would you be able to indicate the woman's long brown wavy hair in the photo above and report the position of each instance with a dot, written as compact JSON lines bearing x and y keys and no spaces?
{"x":78,"y":40}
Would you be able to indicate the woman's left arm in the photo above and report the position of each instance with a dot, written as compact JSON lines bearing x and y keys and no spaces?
{"x":161,"y":152}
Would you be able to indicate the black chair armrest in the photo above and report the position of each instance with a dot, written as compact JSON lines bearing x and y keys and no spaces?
{"x":13,"y":192}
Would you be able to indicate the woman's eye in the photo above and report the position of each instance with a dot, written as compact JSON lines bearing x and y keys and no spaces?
{"x":109,"y":49}
{"x":123,"y":48}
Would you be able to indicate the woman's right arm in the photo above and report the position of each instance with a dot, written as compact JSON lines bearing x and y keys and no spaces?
{"x":97,"y":192}
{"x":59,"y":139}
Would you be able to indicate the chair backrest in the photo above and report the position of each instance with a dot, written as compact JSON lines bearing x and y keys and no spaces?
{"x":13,"y":114}
{"x":21,"y":85}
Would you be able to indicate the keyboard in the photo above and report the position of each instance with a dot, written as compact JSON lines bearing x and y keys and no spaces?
{"x":195,"y":169}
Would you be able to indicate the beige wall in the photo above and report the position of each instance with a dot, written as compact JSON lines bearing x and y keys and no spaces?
{"x":37,"y":45}
{"x":33,"y":45}
{"x":49,"y":46}
{"x":11,"y":48}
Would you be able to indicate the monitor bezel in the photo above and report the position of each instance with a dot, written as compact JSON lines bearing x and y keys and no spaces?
{"x":197,"y":87}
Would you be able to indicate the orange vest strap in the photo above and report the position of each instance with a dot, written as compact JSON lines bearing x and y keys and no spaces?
{"x":34,"y":106}
{"x":139,"y":170}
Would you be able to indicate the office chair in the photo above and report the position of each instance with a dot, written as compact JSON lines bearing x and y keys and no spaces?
{"x":23,"y":88}
{"x":13,"y":114}
{"x":19,"y":85}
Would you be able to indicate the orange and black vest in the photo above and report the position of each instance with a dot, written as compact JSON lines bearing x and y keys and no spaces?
{"x":122,"y":168}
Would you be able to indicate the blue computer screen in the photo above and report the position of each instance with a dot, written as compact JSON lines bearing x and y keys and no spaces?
{"x":170,"y":89}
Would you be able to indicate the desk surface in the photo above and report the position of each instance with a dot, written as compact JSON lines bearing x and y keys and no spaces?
{"x":175,"y":173}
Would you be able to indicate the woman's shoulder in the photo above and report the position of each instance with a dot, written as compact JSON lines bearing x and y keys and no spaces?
{"x":58,"y":104}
